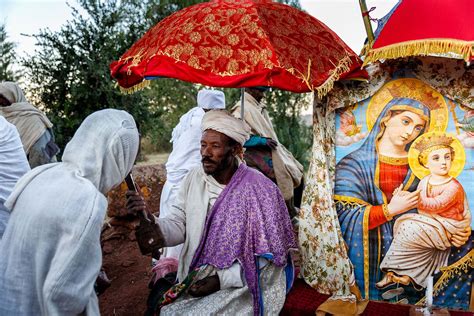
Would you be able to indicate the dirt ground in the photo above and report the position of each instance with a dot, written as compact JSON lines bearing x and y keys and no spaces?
{"x":123,"y":263}
{"x":129,"y":272}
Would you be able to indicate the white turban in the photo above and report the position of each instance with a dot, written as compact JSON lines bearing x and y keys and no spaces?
{"x":211,"y":99}
{"x":223,"y":122}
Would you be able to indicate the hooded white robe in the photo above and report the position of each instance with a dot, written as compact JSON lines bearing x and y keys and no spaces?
{"x":50,"y":252}
{"x":185,"y":156}
{"x":13,"y":165}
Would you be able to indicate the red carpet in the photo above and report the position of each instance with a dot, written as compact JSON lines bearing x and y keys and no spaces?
{"x":303,"y":300}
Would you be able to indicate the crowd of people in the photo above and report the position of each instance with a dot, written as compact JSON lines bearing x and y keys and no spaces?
{"x":224,"y":221}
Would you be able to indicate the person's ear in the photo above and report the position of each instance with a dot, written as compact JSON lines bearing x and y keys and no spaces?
{"x":237,"y":150}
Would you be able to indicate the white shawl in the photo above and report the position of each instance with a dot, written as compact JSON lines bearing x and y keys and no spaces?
{"x":50,"y":252}
{"x":185,"y":156}
{"x":13,"y":165}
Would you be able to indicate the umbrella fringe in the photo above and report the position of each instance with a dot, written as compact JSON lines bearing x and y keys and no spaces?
{"x":342,"y":67}
{"x":140,"y":86}
{"x":459,"y":49}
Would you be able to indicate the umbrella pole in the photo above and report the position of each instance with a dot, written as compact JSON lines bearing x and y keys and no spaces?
{"x":242,"y":91}
{"x":366,"y":18}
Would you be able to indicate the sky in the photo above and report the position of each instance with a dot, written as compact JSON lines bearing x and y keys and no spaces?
{"x":27,"y":17}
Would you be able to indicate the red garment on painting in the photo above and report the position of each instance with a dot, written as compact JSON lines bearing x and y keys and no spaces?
{"x":390,"y":178}
{"x":446,"y":200}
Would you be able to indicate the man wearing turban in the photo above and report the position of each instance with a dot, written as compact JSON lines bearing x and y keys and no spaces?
{"x":264,"y":152}
{"x":185,"y":155}
{"x":234,"y":227}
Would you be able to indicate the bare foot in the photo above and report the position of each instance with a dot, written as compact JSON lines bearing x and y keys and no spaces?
{"x":404,"y":279}
{"x":386,"y":281}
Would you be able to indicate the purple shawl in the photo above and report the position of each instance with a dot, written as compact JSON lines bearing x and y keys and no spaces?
{"x":248,"y":219}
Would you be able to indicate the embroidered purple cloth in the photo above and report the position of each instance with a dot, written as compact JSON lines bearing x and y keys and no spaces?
{"x":248,"y":219}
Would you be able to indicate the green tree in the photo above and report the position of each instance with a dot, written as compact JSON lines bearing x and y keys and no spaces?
{"x":7,"y":56}
{"x":69,"y":73}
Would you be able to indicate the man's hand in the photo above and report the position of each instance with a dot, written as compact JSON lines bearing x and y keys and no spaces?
{"x":271,"y":143}
{"x":205,"y":286}
{"x":461,"y":238}
{"x":135,"y":203}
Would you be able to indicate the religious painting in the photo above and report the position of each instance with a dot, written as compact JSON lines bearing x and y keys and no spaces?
{"x":404,"y":193}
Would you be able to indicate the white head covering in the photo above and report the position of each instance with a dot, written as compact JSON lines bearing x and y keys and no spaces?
{"x":57,"y":212}
{"x":103,"y":151}
{"x":12,"y":92}
{"x":223,"y":122}
{"x":13,"y":165}
{"x":104,"y":147}
{"x":211,"y":99}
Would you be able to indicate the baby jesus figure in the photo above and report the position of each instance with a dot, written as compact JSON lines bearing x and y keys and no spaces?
{"x":422,"y":242}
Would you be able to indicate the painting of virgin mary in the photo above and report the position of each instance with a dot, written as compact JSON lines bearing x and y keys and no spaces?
{"x":374,"y":183}
{"x":365,"y":181}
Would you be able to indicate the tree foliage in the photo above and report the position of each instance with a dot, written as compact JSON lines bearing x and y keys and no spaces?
{"x":285,"y":108}
{"x":7,"y":56}
{"x":69,"y":75}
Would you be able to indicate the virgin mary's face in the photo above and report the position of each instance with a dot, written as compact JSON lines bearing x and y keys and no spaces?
{"x":402,"y":128}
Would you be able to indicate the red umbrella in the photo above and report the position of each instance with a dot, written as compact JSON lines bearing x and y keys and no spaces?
{"x":239,"y":43}
{"x":427,"y":27}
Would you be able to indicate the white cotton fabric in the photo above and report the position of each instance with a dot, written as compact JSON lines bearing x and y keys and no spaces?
{"x":50,"y":253}
{"x":185,"y":156}
{"x":185,"y":225}
{"x":12,"y":92}
{"x":30,"y":122}
{"x":13,"y":165}
{"x":221,"y":121}
{"x":186,"y":139}
{"x":211,"y":99}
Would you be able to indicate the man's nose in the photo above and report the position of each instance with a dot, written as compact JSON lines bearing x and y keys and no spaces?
{"x":205,"y":152}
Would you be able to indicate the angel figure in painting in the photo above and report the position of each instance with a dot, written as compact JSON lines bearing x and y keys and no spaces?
{"x":422,"y":242}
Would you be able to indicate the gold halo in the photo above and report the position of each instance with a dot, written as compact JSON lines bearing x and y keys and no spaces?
{"x":458,"y":162}
{"x":413,"y":89}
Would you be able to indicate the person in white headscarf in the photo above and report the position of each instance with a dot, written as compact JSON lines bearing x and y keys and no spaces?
{"x":13,"y":165}
{"x":185,"y":155}
{"x":34,"y":127}
{"x":280,"y":165}
{"x":50,"y":252}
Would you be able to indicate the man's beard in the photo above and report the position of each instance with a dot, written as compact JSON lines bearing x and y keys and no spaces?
{"x":224,"y":164}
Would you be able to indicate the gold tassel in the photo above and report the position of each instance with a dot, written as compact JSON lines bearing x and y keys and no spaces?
{"x":451,"y":271}
{"x":342,"y":67}
{"x":139,"y":86}
{"x":459,"y":49}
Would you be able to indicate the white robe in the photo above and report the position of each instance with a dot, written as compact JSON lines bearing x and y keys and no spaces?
{"x":186,"y":139}
{"x":13,"y":165}
{"x":185,"y":223}
{"x":50,"y":252}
